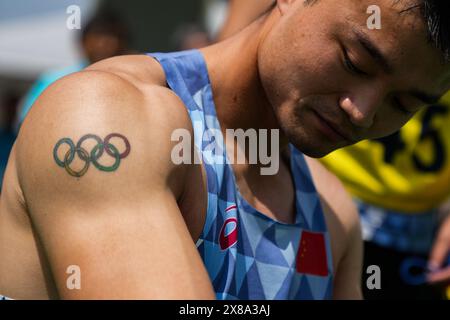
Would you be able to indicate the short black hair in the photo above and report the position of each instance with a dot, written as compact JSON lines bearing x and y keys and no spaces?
{"x":437,"y":18}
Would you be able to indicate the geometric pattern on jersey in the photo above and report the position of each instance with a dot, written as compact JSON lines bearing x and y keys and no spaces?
{"x":247,"y":254}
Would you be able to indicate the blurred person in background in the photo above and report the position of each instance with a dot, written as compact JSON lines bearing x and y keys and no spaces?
{"x":401,"y":184}
{"x":190,"y":36}
{"x":104,"y":36}
{"x":240,"y":14}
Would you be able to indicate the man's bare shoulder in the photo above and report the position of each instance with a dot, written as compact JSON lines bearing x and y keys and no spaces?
{"x":94,"y":163}
{"x":141,"y":70}
{"x":131,"y":86}
{"x":98,"y":105}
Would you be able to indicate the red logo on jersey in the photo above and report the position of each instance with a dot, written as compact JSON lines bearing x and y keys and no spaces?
{"x":312,"y":254}
{"x":229,"y":232}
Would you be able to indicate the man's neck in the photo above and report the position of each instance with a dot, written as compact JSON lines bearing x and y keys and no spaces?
{"x":240,"y":99}
{"x":241,"y":103}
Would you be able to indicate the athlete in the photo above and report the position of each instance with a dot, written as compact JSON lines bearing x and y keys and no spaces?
{"x":94,"y":205}
{"x":399,"y":184}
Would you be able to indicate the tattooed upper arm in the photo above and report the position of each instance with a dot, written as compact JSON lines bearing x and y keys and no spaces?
{"x":94,"y":161}
{"x":94,"y":125}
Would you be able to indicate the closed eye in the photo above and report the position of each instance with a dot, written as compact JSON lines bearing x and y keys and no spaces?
{"x":350,"y":66}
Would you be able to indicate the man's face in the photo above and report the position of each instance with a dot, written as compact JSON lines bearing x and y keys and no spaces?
{"x":333,"y":82}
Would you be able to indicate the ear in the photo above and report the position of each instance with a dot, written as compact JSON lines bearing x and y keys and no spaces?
{"x":285,"y":5}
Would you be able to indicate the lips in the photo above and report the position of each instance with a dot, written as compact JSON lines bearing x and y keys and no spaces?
{"x":332,"y":130}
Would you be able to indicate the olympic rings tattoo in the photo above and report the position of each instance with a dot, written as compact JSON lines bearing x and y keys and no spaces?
{"x":102,"y":146}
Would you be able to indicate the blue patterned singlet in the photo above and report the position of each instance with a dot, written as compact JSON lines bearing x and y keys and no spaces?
{"x":247,"y":254}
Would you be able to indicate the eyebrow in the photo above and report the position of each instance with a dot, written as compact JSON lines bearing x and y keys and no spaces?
{"x":373,"y":51}
{"x":387,"y":67}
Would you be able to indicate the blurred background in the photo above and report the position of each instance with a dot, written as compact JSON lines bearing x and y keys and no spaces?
{"x":40,"y":42}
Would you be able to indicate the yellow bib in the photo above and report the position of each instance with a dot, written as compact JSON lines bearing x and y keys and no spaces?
{"x":408,"y":171}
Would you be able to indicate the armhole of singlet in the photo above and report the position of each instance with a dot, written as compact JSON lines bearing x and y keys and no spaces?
{"x":158,"y":57}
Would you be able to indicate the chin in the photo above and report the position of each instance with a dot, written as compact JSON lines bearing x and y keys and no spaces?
{"x":315,"y":152}
{"x":311,"y":150}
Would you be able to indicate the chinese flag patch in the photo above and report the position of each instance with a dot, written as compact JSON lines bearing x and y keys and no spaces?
{"x":312,"y":254}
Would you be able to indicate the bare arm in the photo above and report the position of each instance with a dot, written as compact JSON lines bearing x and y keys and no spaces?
{"x":344,"y":227}
{"x":114,"y":216}
{"x":349,"y":273}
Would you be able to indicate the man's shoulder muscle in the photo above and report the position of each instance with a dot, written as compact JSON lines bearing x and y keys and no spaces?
{"x":96,"y":104}
{"x":94,"y":164}
{"x":141,"y":70}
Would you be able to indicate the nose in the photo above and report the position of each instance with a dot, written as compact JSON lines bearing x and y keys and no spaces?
{"x":361,"y":109}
